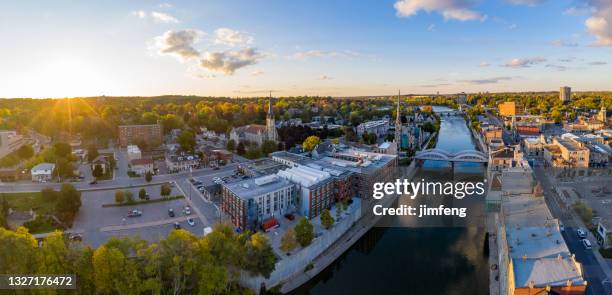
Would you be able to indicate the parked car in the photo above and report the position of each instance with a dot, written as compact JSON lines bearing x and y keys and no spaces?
{"x":290,"y":216}
{"x":93,"y":182}
{"x":191,"y":222}
{"x":134,"y":213}
{"x":75,"y":237}
{"x":581,"y":233}
{"x":587,"y":244}
{"x":216,"y":168}
{"x":171,"y":212}
{"x":187,"y":210}
{"x":177,"y":225}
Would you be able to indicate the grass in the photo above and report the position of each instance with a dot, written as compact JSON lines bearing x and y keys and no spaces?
{"x":41,"y":225}
{"x":142,"y":202}
{"x":27,"y":201}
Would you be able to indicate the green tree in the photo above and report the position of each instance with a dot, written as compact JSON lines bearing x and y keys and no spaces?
{"x":310,"y":143}
{"x":142,"y":194}
{"x":97,"y":171}
{"x":260,"y":258}
{"x":268,"y":146}
{"x":119,"y":197}
{"x":253,"y":152}
{"x":230,"y":145}
{"x":63,"y":168}
{"x":186,"y":140}
{"x":326,"y":219}
{"x":68,"y":203}
{"x":49,"y":195}
{"x":129,"y":197}
{"x":180,"y":260}
{"x":148,"y":176}
{"x":338,"y":210}
{"x":114,"y":272}
{"x":304,"y":232}
{"x":92,"y":153}
{"x":25,"y":151}
{"x":61,"y":149}
{"x":165,"y":190}
{"x":288,"y":241}
{"x":18,"y":251}
{"x":241,"y":150}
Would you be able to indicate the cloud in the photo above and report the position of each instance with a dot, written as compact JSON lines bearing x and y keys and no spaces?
{"x":492,"y":80}
{"x":484,"y":64}
{"x":179,"y":43}
{"x":231,"y":37}
{"x":165,"y":5}
{"x":302,"y":55}
{"x":598,"y":63}
{"x":569,"y":59}
{"x":156,"y":16}
{"x":526,"y":2}
{"x":512,"y":26}
{"x":557,"y":67}
{"x":450,"y":9}
{"x":524,"y":62}
{"x":257,"y":73}
{"x":563,"y":43}
{"x":600,"y":22}
{"x":434,"y":85}
{"x":431,"y":28}
{"x":227,"y":62}
{"x":578,"y":10}
{"x":325,"y":77}
{"x":165,"y":18}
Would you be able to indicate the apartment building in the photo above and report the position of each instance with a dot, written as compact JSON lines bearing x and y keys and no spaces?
{"x":315,"y":189}
{"x":181,"y":163}
{"x":133,"y":152}
{"x":135,"y":134}
{"x":509,"y":109}
{"x":566,"y":152}
{"x":565,"y":93}
{"x":251,"y":202}
{"x":378,"y":127}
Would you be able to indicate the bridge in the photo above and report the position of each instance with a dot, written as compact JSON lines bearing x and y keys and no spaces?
{"x":472,"y":156}
{"x":450,"y":113}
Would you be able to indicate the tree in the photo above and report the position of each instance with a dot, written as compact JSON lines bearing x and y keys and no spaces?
{"x":288,"y":241}
{"x":186,"y":140}
{"x":25,"y":151}
{"x":338,"y":210}
{"x":326,"y":219}
{"x":304,"y":232}
{"x":165,"y":190}
{"x":179,"y":260}
{"x":49,"y":195}
{"x":253,"y":152}
{"x":260,"y":258}
{"x":311,"y":142}
{"x":268,"y":146}
{"x":241,"y":149}
{"x":97,"y":171}
{"x":18,"y":251}
{"x":63,"y":168}
{"x":230,"y":145}
{"x":68,"y":203}
{"x":61,"y":149}
{"x":92,"y":153}
{"x":148,"y":176}
{"x":119,"y":197}
{"x":142,"y":194}
{"x":129,"y":197}
{"x":114,"y":272}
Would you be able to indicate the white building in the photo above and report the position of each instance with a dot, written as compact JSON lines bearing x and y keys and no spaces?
{"x":133,"y":152}
{"x":379,"y":127}
{"x":142,"y":166}
{"x":42,"y":172}
{"x":315,"y":188}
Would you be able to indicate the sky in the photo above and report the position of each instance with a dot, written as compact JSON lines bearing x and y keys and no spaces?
{"x":302,"y":47}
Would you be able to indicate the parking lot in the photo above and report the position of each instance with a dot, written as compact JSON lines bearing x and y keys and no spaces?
{"x":97,"y":223}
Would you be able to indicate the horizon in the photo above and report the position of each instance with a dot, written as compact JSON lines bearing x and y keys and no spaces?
{"x":144,"y":48}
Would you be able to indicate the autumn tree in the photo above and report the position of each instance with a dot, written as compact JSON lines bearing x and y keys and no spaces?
{"x":142,"y":194}
{"x":260,"y":258}
{"x":119,"y":197}
{"x":326,"y":219}
{"x":165,"y":190}
{"x":304,"y":232}
{"x":288,"y":241}
{"x":310,"y":143}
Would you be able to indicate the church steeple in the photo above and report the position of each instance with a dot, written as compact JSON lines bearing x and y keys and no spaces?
{"x":271,"y":123}
{"x":398,"y":127}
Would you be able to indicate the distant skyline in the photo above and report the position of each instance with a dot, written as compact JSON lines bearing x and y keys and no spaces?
{"x":335,"y":48}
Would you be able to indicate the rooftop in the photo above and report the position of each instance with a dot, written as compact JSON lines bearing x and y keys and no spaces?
{"x":254,"y":187}
{"x":543,"y":272}
{"x":304,"y":175}
{"x":571,"y":145}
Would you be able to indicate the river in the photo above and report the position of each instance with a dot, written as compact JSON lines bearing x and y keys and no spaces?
{"x":415,"y":260}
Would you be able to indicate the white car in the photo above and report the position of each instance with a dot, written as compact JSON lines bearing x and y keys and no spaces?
{"x":191,"y":222}
{"x":587,"y":244}
{"x":187,"y":210}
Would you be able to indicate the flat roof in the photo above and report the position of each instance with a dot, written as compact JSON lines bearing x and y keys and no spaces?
{"x":255,"y":187}
{"x":570,"y":145}
{"x":542,"y":272}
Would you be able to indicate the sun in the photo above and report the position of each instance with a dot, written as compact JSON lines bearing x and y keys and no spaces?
{"x":68,"y":77}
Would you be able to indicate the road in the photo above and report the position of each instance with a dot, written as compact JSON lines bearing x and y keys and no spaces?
{"x":117,"y":182}
{"x":594,"y":272}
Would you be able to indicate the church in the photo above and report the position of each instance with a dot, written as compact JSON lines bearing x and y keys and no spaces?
{"x":257,"y":133}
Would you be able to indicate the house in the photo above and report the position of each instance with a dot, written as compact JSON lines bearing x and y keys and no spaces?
{"x":183,"y":162}
{"x":500,"y":159}
{"x":103,"y":162}
{"x":133,"y":152}
{"x":42,"y":172}
{"x":142,"y":166}
{"x":604,"y":232}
